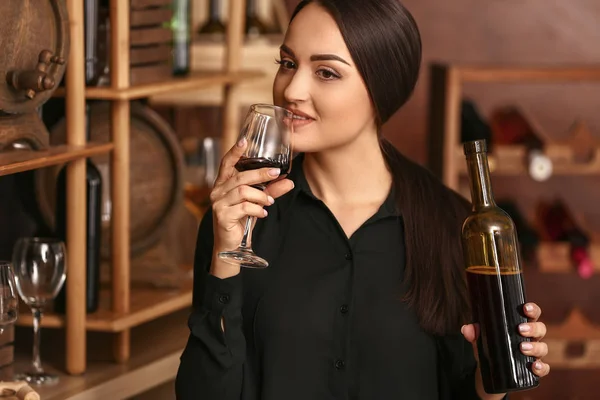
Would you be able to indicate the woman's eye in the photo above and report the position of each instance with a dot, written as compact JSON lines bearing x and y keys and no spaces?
{"x":327,"y":74}
{"x":286,"y":64}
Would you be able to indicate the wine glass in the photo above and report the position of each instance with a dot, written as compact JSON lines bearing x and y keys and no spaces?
{"x":40,"y":271}
{"x":9,"y":302}
{"x":268,"y":131}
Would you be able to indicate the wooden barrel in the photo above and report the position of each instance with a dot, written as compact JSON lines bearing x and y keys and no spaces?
{"x":34,"y":43}
{"x":156,"y":175}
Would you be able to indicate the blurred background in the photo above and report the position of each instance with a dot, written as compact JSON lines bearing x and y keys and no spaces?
{"x":523,"y":74}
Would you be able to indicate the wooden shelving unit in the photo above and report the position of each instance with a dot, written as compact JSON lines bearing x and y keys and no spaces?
{"x":447,"y":161}
{"x":195,"y":81}
{"x":146,"y":305}
{"x":155,"y":351}
{"x":445,"y":154}
{"x":20,"y":161}
{"x":122,"y":307}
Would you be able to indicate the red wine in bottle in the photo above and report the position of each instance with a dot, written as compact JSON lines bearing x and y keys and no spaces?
{"x":93,"y":182}
{"x":495,"y":281}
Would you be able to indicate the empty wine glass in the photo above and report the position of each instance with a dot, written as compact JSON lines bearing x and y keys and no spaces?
{"x":40,"y":271}
{"x":9,"y":302}
{"x":268,"y":131}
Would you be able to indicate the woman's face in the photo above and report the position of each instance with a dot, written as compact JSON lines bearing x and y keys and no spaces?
{"x":318,"y":81}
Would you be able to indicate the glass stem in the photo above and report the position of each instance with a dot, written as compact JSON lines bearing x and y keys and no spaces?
{"x":244,"y":244}
{"x":37,"y":321}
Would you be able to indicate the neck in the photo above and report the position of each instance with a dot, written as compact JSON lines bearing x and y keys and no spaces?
{"x":353,"y":174}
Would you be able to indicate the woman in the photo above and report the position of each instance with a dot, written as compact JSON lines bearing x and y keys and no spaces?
{"x":365,"y":295}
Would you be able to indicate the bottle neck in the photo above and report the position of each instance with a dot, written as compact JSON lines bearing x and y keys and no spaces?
{"x":479,"y":177}
{"x":250,"y":8}
{"x":214,"y":10}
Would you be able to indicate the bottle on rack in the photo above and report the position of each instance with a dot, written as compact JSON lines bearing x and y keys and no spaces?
{"x":181,"y":27}
{"x":93,"y":182}
{"x":510,"y":127}
{"x":92,"y":61}
{"x":214,"y":26}
{"x":495,"y":282}
{"x":557,"y":224}
{"x":254,"y":26}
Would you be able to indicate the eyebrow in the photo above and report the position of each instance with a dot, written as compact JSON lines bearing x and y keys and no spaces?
{"x":315,"y":57}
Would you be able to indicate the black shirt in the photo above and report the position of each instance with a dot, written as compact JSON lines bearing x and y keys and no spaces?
{"x":324,"y":321}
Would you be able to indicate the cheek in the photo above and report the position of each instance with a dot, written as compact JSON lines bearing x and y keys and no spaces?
{"x":280,"y":82}
{"x":344,"y":108}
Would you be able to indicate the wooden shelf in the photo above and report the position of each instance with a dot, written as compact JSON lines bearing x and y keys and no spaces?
{"x":526,"y":74}
{"x":146,"y":304}
{"x":25,"y":160}
{"x":554,"y":257}
{"x":510,"y":161}
{"x":196,"y":80}
{"x":155,"y":351}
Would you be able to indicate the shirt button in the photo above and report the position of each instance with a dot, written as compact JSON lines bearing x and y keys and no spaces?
{"x":348,"y":256}
{"x":340,"y":364}
{"x":344,"y":309}
{"x":224,"y":298}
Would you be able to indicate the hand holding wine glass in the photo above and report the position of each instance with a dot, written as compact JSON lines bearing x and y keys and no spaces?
{"x":262,"y":155}
{"x":40,"y":271}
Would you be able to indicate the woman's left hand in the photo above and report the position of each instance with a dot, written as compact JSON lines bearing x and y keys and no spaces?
{"x":535,"y":348}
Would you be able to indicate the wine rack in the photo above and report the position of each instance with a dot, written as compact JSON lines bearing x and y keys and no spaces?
{"x":446,"y":160}
{"x":122,"y":307}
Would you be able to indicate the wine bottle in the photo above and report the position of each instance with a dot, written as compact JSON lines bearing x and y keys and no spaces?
{"x":254,"y":26}
{"x":510,"y":127}
{"x":214,"y":25}
{"x":495,"y":281}
{"x":180,"y":24}
{"x":557,"y":224}
{"x":93,"y":182}
{"x":472,"y":124}
{"x":92,"y":62}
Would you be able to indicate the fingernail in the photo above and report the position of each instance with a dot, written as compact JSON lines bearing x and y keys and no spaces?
{"x":270,"y":199}
{"x":524,"y":328}
{"x":274,"y":171}
{"x":537,"y":365}
{"x":242,"y":142}
{"x":293,"y":184}
{"x":529,"y":307}
{"x":265,"y":212}
{"x":462,"y":329}
{"x":526,"y":346}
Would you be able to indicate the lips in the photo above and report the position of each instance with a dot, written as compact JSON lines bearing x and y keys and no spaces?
{"x":300,"y":118}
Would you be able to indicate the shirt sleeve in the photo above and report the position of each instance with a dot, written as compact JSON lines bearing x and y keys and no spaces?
{"x":211,"y":366}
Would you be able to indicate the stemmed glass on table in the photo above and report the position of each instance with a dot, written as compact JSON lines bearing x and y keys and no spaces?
{"x":268,"y":130}
{"x":40,"y":271}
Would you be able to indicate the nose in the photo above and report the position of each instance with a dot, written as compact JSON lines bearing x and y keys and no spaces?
{"x":297,"y":90}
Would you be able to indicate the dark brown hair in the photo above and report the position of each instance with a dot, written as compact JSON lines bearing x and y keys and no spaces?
{"x":385,"y":45}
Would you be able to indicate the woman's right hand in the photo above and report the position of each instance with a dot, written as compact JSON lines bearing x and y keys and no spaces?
{"x":233,"y":199}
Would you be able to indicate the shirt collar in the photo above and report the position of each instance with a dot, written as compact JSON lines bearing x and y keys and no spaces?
{"x":388,"y":208}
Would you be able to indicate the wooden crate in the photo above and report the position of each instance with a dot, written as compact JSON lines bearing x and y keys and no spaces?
{"x":150,"y":39}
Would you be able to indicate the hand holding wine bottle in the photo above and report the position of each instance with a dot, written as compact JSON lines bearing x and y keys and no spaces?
{"x":245,"y":186}
{"x":505,"y":322}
